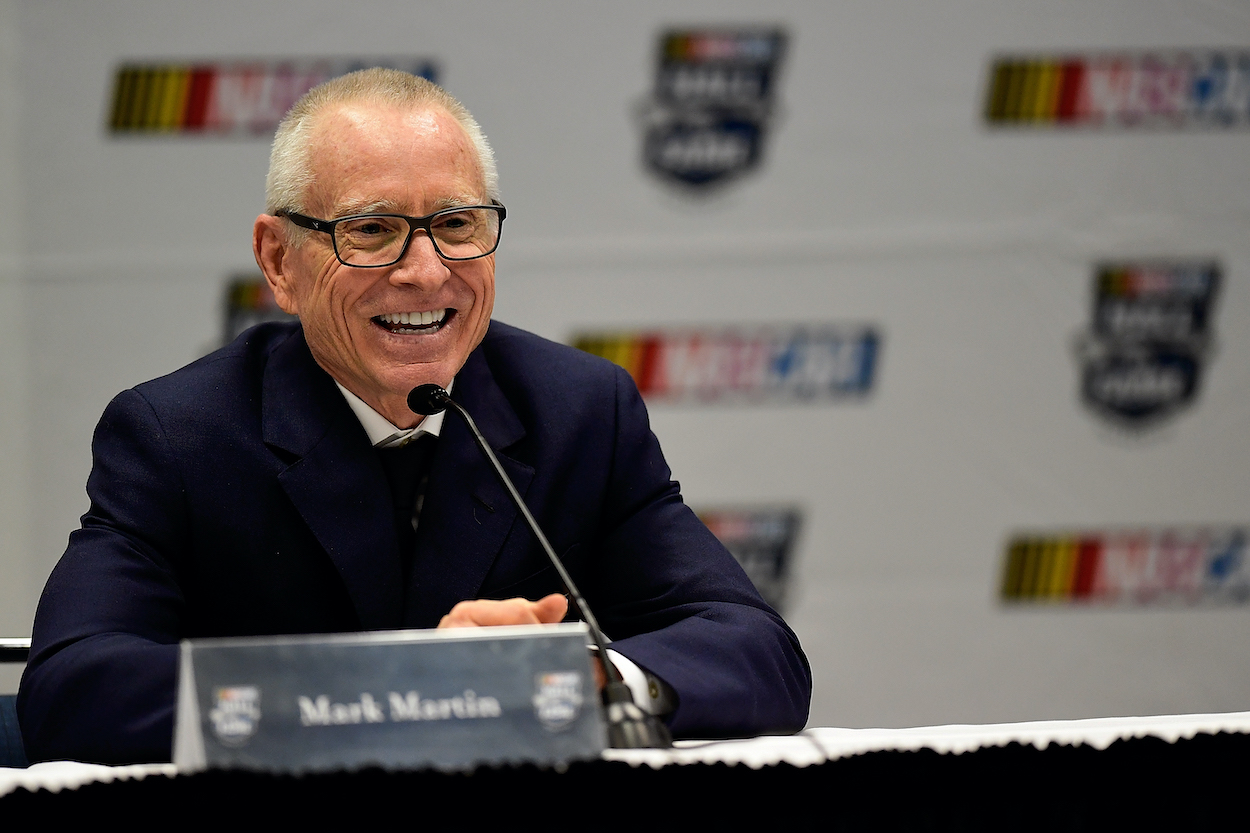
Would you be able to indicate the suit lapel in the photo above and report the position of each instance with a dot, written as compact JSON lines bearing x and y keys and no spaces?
{"x":467,"y":514}
{"x":334,"y":479}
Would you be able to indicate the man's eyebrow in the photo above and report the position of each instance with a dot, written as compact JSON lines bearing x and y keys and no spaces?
{"x":347,"y":209}
{"x":354,"y":207}
{"x":455,"y":202}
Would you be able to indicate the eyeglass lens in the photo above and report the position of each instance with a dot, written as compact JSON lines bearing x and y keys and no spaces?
{"x":378,"y":239}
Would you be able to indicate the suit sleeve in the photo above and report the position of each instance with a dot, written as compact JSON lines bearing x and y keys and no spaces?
{"x":101,"y":678}
{"x":680,"y":606}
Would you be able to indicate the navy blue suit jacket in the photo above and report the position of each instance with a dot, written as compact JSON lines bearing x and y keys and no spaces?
{"x":240,"y":496}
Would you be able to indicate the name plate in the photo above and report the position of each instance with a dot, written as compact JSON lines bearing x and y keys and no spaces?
{"x":451,"y":699}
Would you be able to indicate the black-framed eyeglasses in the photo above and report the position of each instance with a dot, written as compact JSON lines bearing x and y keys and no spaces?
{"x":370,"y":241}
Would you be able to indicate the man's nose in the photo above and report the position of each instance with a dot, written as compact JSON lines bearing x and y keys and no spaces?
{"x":420,"y":265}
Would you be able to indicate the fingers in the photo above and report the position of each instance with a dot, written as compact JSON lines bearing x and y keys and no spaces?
{"x":551,"y":609}
{"x":487,"y":612}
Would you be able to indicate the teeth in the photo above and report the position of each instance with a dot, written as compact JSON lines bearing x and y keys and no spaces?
{"x":414,"y":318}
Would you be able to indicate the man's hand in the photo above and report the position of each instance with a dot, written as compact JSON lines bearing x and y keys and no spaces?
{"x":481,"y":612}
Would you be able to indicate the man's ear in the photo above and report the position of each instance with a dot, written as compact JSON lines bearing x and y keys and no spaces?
{"x":271,"y":248}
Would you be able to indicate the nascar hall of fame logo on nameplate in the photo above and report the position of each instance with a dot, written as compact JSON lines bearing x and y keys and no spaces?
{"x":1133,"y":90}
{"x":235,"y":714}
{"x":743,"y":366}
{"x":557,"y":698}
{"x":226,"y":98}
{"x":713,"y":101}
{"x":1143,"y":357}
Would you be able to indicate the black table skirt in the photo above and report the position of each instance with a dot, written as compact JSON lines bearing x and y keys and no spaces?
{"x":1145,"y":783}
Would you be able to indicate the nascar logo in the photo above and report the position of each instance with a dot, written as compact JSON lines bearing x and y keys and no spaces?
{"x":803,"y":364}
{"x":1168,"y":566}
{"x":241,"y":98}
{"x":1150,"y":89}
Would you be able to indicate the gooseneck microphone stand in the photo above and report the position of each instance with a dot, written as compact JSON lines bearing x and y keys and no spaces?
{"x":629,"y":727}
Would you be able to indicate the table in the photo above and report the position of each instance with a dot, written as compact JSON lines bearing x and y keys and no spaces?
{"x":1174,"y":772}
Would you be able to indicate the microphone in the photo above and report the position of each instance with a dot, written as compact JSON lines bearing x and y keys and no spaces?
{"x":629,"y":727}
{"x":428,"y":400}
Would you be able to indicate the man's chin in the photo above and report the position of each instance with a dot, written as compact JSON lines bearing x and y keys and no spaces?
{"x":441,"y":374}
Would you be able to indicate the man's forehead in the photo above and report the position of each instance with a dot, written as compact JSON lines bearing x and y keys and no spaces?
{"x":348,"y":117}
{"x":356,"y":145}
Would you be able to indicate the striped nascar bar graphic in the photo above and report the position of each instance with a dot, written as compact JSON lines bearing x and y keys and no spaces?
{"x":720,"y":46}
{"x":1142,"y":567}
{"x":1169,"y":280}
{"x":247,"y":98}
{"x":798,"y":363}
{"x":1150,"y":89}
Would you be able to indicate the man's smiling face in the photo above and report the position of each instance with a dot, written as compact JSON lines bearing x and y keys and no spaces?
{"x":382,"y":332}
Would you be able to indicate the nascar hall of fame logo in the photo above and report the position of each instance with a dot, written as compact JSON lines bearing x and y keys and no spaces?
{"x":1151,"y":90}
{"x":762,"y":540}
{"x":235,"y":714}
{"x":1143,"y":357}
{"x":714,"y":95}
{"x":800,"y":364}
{"x":557,"y":698}
{"x":1129,"y":567}
{"x":225,"y":98}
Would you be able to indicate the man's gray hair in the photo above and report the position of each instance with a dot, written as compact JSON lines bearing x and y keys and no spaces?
{"x":290,"y":173}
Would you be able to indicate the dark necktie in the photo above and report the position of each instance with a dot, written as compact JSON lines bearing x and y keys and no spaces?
{"x":406,"y":467}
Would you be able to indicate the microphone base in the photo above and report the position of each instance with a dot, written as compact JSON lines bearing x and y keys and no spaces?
{"x":629,"y":727}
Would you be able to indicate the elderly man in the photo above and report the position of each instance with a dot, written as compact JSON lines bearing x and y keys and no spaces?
{"x":282,"y":485}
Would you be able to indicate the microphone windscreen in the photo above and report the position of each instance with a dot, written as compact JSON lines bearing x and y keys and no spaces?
{"x":427,"y":399}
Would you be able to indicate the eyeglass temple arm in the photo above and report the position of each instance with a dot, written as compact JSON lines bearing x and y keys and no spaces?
{"x":302,"y":220}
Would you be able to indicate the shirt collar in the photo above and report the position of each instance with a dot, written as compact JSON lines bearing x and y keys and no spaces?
{"x":383,"y":434}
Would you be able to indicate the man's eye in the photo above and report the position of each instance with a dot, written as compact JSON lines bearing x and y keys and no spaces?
{"x":459,"y":227}
{"x":368,"y":234}
{"x":369,"y":227}
{"x":455,"y":221}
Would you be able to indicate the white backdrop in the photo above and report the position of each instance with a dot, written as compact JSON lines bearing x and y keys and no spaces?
{"x":882,"y":200}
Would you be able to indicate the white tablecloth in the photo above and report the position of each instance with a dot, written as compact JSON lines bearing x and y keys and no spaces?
{"x":816,"y":746}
